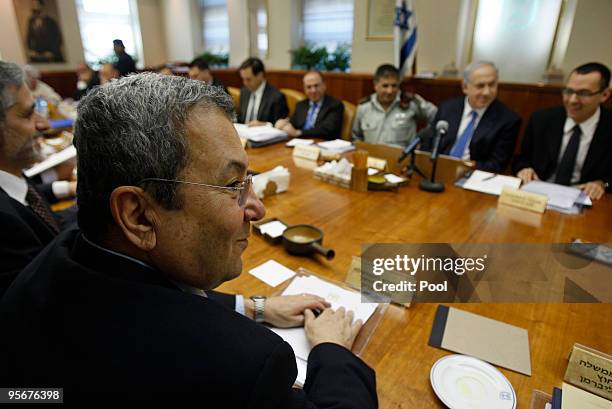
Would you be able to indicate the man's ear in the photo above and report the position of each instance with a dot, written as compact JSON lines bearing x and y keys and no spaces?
{"x":605,"y":95}
{"x":132,"y":211}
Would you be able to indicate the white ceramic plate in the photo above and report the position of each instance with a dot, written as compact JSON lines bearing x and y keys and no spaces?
{"x":464,"y":382}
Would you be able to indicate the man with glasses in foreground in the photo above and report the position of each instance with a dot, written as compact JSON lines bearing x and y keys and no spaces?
{"x":122,"y":308}
{"x":572,"y":145}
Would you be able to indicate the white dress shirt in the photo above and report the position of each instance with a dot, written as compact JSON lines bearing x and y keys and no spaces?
{"x":16,"y":187}
{"x":588,"y":130}
{"x":465,"y":120}
{"x":258,"y":94}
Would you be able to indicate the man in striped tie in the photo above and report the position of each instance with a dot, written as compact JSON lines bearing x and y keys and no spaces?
{"x":28,"y":224}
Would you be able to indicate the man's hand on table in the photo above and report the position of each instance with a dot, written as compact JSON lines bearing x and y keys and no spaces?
{"x":288,"y":310}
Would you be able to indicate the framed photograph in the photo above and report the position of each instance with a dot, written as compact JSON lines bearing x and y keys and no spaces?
{"x":40,"y":30}
{"x":381,"y":14}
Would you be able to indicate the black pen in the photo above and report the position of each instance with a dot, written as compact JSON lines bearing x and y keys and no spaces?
{"x":488,"y":178}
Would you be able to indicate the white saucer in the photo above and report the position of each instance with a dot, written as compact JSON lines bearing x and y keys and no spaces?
{"x":464,"y":382}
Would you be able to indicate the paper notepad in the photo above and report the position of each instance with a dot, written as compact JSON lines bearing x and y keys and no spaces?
{"x":493,"y":341}
{"x":335,"y":295}
{"x":575,"y":398}
{"x":490,"y":183}
{"x":272,"y":273}
{"x":562,"y":197}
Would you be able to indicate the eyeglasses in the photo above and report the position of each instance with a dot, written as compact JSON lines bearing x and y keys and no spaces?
{"x":583,"y":93}
{"x":243,"y":188}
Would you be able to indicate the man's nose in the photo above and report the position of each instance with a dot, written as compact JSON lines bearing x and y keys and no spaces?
{"x":254,"y":209}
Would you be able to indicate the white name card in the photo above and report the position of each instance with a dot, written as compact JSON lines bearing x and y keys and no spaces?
{"x":523,"y":200}
{"x":306,"y":152}
{"x":377,"y":163}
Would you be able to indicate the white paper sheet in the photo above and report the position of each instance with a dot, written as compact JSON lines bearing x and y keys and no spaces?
{"x":258,"y":133}
{"x":337,"y":145}
{"x":559,"y":196}
{"x":51,"y":161}
{"x":272,"y":273}
{"x":487,"y":182}
{"x":297,"y":141}
{"x":391,"y":178}
{"x":273,"y":229}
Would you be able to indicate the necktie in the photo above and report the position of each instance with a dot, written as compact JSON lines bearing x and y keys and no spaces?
{"x":568,"y":160}
{"x":251,"y":112}
{"x":459,"y":147}
{"x":41,"y":208}
{"x":310,"y":117}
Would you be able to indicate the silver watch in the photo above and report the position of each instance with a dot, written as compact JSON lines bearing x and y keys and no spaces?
{"x":259,"y":302}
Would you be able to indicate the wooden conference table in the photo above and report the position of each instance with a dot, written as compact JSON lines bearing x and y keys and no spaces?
{"x":398,"y":350}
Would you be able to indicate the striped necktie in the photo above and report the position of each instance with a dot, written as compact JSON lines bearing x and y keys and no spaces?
{"x":41,"y":208}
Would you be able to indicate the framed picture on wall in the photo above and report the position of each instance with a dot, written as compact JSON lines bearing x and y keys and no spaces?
{"x":40,"y":30}
{"x":381,"y":14}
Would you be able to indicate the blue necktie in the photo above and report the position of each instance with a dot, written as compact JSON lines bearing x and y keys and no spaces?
{"x":310,"y":117}
{"x":459,"y":147}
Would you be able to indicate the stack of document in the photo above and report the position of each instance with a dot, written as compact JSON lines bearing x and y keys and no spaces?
{"x":490,"y":183}
{"x":260,"y":135}
{"x":336,"y":146}
{"x":337,"y":297}
{"x":564,"y":199}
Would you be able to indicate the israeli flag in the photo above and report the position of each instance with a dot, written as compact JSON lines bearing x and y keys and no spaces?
{"x":405,"y":35}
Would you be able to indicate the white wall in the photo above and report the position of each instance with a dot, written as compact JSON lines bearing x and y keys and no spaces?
{"x":153,"y":32}
{"x":591,"y":36}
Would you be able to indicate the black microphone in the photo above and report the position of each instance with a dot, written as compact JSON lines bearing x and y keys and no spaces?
{"x":441,"y":129}
{"x":408,"y":150}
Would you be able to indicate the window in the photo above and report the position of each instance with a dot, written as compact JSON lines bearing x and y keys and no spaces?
{"x":102,"y":21}
{"x":258,"y":21}
{"x":215,"y":26}
{"x":511,"y":31}
{"x":328,"y":23}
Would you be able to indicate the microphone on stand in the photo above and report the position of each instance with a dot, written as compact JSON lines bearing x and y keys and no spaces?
{"x":431,"y":185}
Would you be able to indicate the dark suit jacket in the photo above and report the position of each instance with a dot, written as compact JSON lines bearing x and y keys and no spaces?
{"x":542,"y":143}
{"x":22,"y":236}
{"x":329,"y":120}
{"x":80,"y":317}
{"x":493,"y":140}
{"x":273,"y":105}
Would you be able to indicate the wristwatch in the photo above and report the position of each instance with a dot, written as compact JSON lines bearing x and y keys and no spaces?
{"x":259,"y":301}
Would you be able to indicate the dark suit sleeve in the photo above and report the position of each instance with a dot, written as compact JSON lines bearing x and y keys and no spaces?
{"x":227,"y":300}
{"x":524,"y":158}
{"x":502,"y":152}
{"x":328,"y":127}
{"x":17,"y":248}
{"x":336,"y":379}
{"x":279,"y":108}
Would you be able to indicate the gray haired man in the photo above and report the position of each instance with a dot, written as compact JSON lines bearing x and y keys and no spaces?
{"x":165,"y":206}
{"x":27,"y":223}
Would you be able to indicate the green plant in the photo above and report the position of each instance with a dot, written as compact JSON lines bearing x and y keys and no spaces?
{"x":309,"y":57}
{"x":339,"y":59}
{"x":216,"y":59}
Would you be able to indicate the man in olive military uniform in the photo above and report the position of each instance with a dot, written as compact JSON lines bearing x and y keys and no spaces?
{"x":388,"y":115}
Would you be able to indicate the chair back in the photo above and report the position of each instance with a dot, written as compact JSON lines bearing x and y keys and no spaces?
{"x":293,"y":97}
{"x":347,"y":120}
{"x":235,"y":94}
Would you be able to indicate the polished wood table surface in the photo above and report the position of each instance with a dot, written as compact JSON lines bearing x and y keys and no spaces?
{"x":398,"y":351}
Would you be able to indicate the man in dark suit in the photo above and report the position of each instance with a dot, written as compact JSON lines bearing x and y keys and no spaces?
{"x":318,"y":116}
{"x":125,"y":63}
{"x":480,"y":127}
{"x":572,"y":145}
{"x":260,"y":102}
{"x":199,"y":70}
{"x":28,"y":224}
{"x":165,"y":206}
